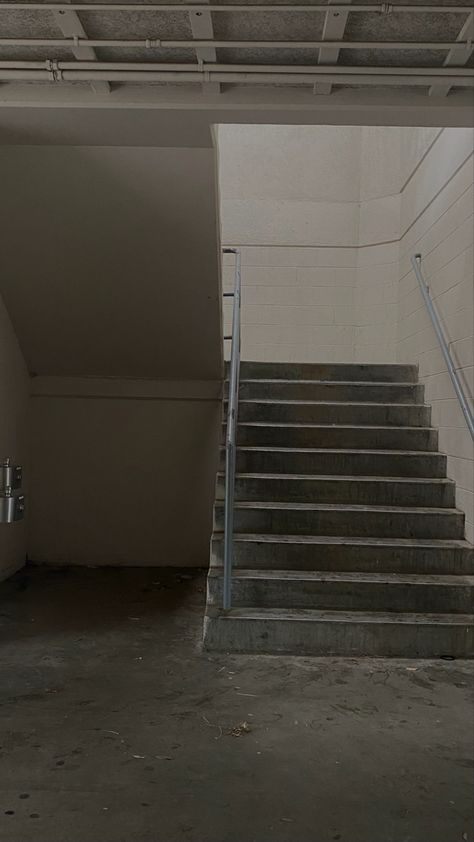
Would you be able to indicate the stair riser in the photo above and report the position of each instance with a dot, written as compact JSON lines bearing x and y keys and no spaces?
{"x":330,"y":413}
{"x":337,"y":437}
{"x":345,"y":558}
{"x":327,"y":371}
{"x":423,"y":465}
{"x":298,"y":390}
{"x":367,"y":523}
{"x":369,"y":493}
{"x":344,"y":596}
{"x":399,"y":640}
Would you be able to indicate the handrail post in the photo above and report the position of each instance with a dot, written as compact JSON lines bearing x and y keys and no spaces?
{"x":424,"y":289}
{"x":231,"y":434}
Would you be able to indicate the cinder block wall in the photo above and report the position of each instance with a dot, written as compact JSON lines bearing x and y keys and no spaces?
{"x":327,"y":219}
{"x":290,"y":199}
{"x":437,"y":220}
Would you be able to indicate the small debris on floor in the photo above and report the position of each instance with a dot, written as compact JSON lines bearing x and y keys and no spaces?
{"x":241,"y":729}
{"x":211,"y":725}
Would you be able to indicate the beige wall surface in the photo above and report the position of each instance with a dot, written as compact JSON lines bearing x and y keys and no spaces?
{"x":109,"y":254}
{"x":126,"y":478}
{"x":14,"y":392}
{"x":110,"y":272}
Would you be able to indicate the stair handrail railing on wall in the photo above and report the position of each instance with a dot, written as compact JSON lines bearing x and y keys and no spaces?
{"x":425,"y":292}
{"x":231,"y":431}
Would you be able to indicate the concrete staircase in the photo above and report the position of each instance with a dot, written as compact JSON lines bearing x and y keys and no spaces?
{"x":347,"y":539}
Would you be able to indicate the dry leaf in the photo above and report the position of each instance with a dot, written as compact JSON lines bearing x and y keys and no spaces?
{"x":239,"y":730}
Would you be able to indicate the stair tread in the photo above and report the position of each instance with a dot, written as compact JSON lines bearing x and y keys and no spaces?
{"x":312,"y":381}
{"x":276,"y":538}
{"x":365,"y":617}
{"x":332,"y":450}
{"x":349,"y":364}
{"x":341,"y":573}
{"x":350,"y":507}
{"x":461,"y":580}
{"x":342,"y":478}
{"x":311,"y":426}
{"x":287,"y":402}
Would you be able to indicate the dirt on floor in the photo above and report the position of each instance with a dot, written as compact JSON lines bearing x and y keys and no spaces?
{"x":116,"y":727}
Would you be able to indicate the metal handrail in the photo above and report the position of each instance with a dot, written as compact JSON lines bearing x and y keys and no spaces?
{"x":230,"y":439}
{"x":425,"y":291}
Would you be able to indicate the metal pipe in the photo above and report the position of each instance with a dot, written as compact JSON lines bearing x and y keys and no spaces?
{"x":158,"y":43}
{"x":205,"y":67}
{"x":425,"y":292}
{"x":466,"y":80}
{"x":231,"y":436}
{"x":381,"y":8}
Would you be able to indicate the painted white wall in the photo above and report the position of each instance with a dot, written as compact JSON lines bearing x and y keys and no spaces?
{"x":290,"y":200}
{"x":389,"y":158}
{"x":437,"y":221}
{"x":340,"y":286}
{"x":316,"y":211}
{"x":14,"y":392}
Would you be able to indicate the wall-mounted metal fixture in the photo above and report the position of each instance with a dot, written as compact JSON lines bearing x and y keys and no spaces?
{"x":10,"y":475}
{"x":12,"y":501}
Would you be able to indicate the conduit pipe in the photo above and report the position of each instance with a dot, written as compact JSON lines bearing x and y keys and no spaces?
{"x":154,"y":43}
{"x":306,"y":78}
{"x":380,"y":8}
{"x":203,"y":68}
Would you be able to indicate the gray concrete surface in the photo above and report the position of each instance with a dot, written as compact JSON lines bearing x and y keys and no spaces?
{"x":115,"y":727}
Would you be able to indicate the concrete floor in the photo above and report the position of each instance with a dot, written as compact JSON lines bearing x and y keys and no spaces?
{"x":114,"y":727}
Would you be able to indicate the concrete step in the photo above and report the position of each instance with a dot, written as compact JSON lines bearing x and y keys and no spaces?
{"x":332,"y":391}
{"x":323,"y":412}
{"x":378,"y":372}
{"x":382,"y":491}
{"x":331,"y":436}
{"x":329,"y":552}
{"x":311,"y":632}
{"x":338,"y":519}
{"x":346,"y":462}
{"x":330,"y":591}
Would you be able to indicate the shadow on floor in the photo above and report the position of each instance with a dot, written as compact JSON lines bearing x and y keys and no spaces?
{"x":44,"y":599}
{"x":115,"y":726}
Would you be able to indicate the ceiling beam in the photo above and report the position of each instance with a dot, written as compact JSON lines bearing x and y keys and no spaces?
{"x":458,"y":55}
{"x":70,"y":25}
{"x":333,"y":30}
{"x":202,"y":29}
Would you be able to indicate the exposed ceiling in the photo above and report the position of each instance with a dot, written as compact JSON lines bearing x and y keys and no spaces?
{"x":218,"y":48}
